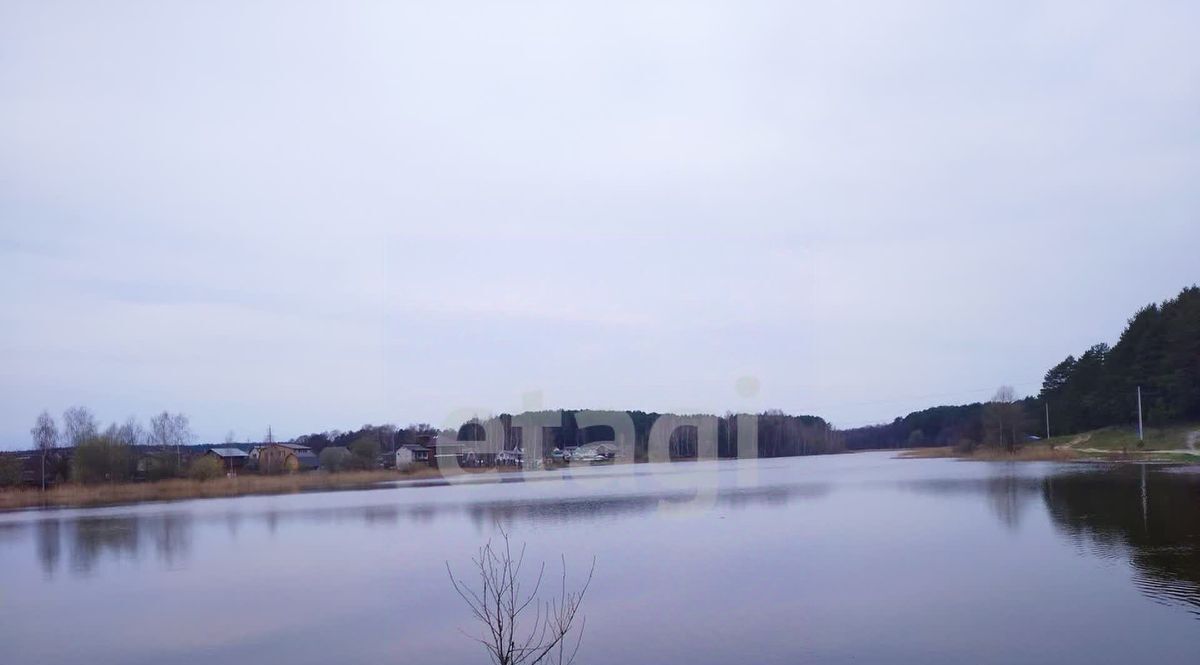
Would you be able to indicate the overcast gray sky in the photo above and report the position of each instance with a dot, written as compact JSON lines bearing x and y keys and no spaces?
{"x":318,"y":215}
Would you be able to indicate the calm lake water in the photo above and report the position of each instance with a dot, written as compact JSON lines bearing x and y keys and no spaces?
{"x":853,"y":558}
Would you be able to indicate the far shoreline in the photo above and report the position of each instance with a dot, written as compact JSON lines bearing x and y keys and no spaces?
{"x":72,"y":495}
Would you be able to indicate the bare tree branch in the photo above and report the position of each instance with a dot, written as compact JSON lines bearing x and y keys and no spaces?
{"x":519,"y":628}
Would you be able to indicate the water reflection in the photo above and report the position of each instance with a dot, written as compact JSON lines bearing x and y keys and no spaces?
{"x":93,"y":539}
{"x":1145,"y":514}
{"x":881,"y":559}
{"x":1009,"y":496}
{"x":172,"y":536}
{"x":1149,"y":515}
{"x":49,"y":545}
{"x":90,"y":540}
{"x":1009,"y":489}
{"x":604,"y":508}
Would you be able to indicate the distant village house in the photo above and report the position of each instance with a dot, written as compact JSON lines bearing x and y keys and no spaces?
{"x":411,"y":454}
{"x":232,"y":460}
{"x":286,"y":458}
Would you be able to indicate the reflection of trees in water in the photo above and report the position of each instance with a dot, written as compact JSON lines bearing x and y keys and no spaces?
{"x":1008,"y":494}
{"x":172,"y":535}
{"x":607,"y":507}
{"x":1151,"y":516}
{"x":49,"y":545}
{"x":381,"y":516}
{"x":90,"y":539}
{"x":233,"y":522}
{"x":549,"y":509}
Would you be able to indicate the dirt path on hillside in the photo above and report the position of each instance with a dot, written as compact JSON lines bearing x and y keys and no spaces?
{"x":1079,"y":440}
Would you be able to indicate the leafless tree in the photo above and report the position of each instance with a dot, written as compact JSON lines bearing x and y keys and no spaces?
{"x":168,"y":430}
{"x":181,"y":427}
{"x":45,"y":438}
{"x":1005,"y":395}
{"x":387,"y":438}
{"x":160,"y":429}
{"x":79,"y":425}
{"x":130,"y":433}
{"x":1004,"y":417}
{"x":519,"y":627}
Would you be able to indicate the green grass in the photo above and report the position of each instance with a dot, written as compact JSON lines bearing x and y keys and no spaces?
{"x":1163,"y":444}
{"x":1125,"y":438}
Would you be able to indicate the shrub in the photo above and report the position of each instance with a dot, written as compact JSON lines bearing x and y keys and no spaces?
{"x":10,"y":471}
{"x":334,"y":460}
{"x":366,"y":451}
{"x":965,"y":446}
{"x":205,"y":468}
{"x":102,"y":459}
{"x":162,"y":465}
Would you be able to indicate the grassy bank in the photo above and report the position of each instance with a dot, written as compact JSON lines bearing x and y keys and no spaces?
{"x":1116,"y":439}
{"x":73,"y":495}
{"x":1115,"y":444}
{"x":1031,"y":453}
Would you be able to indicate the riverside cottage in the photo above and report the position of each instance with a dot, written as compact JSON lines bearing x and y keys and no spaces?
{"x":286,"y":458}
{"x":232,"y":460}
{"x":410,"y":454}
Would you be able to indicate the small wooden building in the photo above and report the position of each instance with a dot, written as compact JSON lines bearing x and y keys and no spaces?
{"x":232,"y":459}
{"x":286,"y":458}
{"x":411,"y":454}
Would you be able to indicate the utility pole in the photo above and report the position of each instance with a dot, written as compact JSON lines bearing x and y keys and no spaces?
{"x":1141,"y":432}
{"x":1047,"y":420}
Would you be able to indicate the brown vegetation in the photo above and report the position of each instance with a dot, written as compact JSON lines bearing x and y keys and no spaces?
{"x":72,"y":494}
{"x":1026,"y":453}
{"x":928,"y":453}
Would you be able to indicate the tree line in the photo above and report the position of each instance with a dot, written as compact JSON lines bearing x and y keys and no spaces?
{"x":1158,"y":351}
{"x":104,"y":455}
{"x":777,"y":434}
{"x":165,"y":449}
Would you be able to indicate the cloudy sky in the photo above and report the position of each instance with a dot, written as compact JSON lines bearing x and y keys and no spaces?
{"x":318,"y":215}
